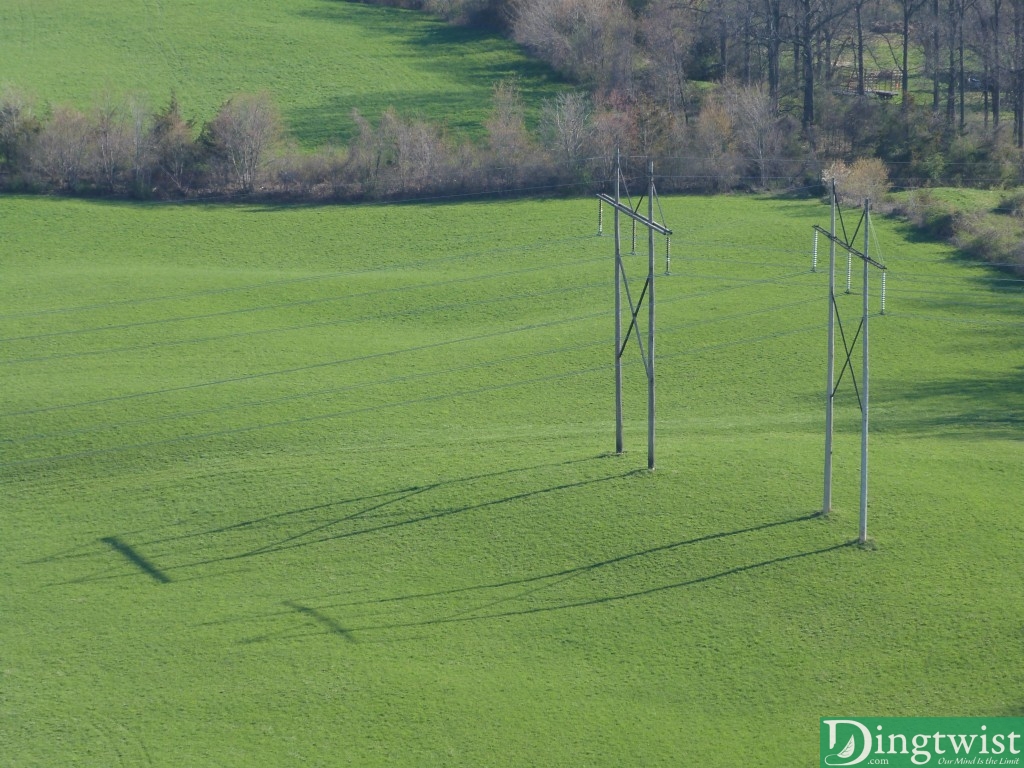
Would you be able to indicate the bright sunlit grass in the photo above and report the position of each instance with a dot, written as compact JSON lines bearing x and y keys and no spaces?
{"x":333,"y":486}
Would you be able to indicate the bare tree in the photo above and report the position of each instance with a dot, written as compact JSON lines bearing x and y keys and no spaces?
{"x":509,"y":142}
{"x":59,"y":152}
{"x":565,"y":125}
{"x":713,"y":146}
{"x":18,"y":126}
{"x":755,"y":126}
{"x":588,"y":39}
{"x":989,"y":47}
{"x":111,"y":148}
{"x":773,"y":47}
{"x":174,"y":148}
{"x":418,"y":151}
{"x":669,"y":31}
{"x":1017,"y":70}
{"x":241,"y":136}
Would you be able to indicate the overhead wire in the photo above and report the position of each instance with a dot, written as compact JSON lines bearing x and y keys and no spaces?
{"x":307,"y":326}
{"x":431,"y":398}
{"x":324,"y":364}
{"x":94,"y":452}
{"x":289,"y":304}
{"x":303,"y":368}
{"x":394,"y":379}
{"x":325,"y":323}
{"x":297,"y":420}
{"x":305,"y":395}
{"x":537,"y":245}
{"x":958,"y":320}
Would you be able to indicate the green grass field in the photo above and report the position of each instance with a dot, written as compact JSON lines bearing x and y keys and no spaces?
{"x":335,"y":486}
{"x":319,"y":59}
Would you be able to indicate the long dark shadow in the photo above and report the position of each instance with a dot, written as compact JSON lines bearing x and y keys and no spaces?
{"x":86,"y":551}
{"x":325,"y":621}
{"x":606,"y":599}
{"x":136,"y":559}
{"x":580,"y":568}
{"x":290,"y":543}
{"x":401,"y":494}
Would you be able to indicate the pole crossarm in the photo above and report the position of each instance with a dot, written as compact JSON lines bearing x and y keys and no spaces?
{"x":848,"y":248}
{"x":650,"y":223}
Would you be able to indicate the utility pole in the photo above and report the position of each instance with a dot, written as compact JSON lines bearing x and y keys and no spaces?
{"x":618,"y":311}
{"x":834,"y":320}
{"x":650,"y":317}
{"x":621,"y":280}
{"x":830,"y":394}
{"x":863,"y":537}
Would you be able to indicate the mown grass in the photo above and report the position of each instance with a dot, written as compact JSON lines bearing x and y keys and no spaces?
{"x":319,"y":59}
{"x":333,"y":486}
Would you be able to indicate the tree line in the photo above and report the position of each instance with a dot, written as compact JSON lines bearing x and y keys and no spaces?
{"x":118,"y":148}
{"x":793,"y":48}
{"x":935,"y":88}
{"x":730,"y":94}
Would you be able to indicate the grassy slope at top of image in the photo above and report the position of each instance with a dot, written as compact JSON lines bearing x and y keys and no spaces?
{"x":319,"y":59}
{"x":335,"y":486}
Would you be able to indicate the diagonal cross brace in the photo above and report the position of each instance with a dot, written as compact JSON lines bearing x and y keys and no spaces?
{"x":634,"y":311}
{"x":849,"y":355}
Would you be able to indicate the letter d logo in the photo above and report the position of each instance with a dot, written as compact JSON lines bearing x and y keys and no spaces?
{"x":843,"y":757}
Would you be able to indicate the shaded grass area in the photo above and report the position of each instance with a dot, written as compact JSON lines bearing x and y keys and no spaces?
{"x":334,"y":486}
{"x":986,"y":226}
{"x":319,"y":60}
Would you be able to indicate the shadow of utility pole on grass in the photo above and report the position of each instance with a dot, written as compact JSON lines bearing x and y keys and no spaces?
{"x":133,"y":557}
{"x":489,"y":609}
{"x":325,"y":621}
{"x":382,"y":514}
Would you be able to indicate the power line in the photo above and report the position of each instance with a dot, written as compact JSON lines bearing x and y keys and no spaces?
{"x":403,"y":378}
{"x":744,"y":342}
{"x":384,"y":406}
{"x":302,"y":368}
{"x":958,"y":320}
{"x":928,"y":279}
{"x":323,"y":323}
{"x":979,"y":300}
{"x":300,"y":420}
{"x":305,"y":395}
{"x":538,"y":245}
{"x":738,"y":315}
{"x":289,"y":304}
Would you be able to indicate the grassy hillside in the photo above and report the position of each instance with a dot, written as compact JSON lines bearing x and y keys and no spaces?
{"x":318,"y":58}
{"x":330,"y":486}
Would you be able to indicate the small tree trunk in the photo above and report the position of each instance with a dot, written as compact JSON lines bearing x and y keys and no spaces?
{"x":860,"y":49}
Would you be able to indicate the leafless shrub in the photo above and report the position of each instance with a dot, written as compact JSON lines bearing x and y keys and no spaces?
{"x":18,"y":127}
{"x":755,"y":126}
{"x":175,"y":153}
{"x":317,"y":175}
{"x":242,"y":136}
{"x":566,"y":128}
{"x":865,"y":179}
{"x":59,"y":154}
{"x":588,"y":39}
